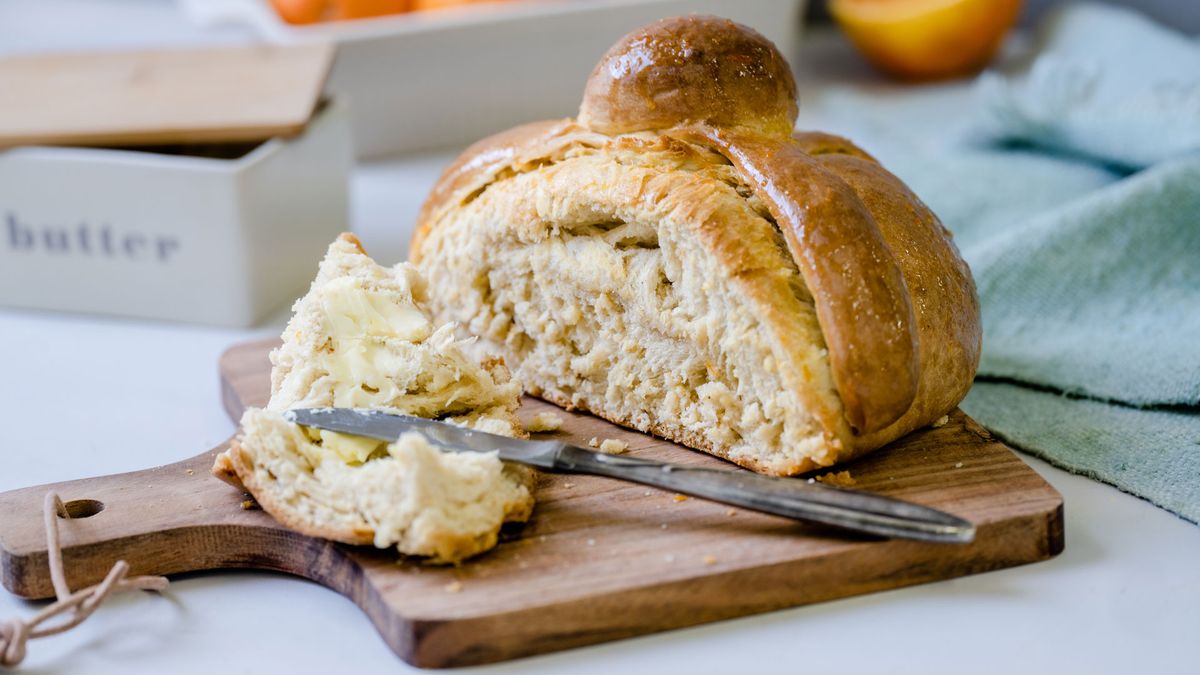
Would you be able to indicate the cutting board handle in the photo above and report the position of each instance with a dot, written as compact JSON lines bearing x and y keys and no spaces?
{"x":166,"y":520}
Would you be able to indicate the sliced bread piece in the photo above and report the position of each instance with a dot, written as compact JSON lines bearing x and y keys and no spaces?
{"x":361,"y":338}
{"x":407,"y":494}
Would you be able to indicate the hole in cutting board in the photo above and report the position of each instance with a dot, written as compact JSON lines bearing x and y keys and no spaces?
{"x":83,"y":508}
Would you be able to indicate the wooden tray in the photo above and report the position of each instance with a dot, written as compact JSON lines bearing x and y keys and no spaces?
{"x":601,"y":560}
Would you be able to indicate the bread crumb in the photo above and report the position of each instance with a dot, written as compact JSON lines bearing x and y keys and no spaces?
{"x":669,"y":557}
{"x":611,"y":446}
{"x":568,"y":485}
{"x":190,"y":471}
{"x":958,"y":465}
{"x":663,"y":526}
{"x":811,"y":481}
{"x":941,"y":421}
{"x":680,"y":498}
{"x":249,"y":504}
{"x":453,"y":587}
{"x":731,"y":512}
{"x":591,"y":542}
{"x":839,"y":478}
{"x":710,"y":559}
{"x":594,"y":443}
{"x":544,"y":421}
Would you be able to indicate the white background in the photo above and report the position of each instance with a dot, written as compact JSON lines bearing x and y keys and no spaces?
{"x":84,"y":396}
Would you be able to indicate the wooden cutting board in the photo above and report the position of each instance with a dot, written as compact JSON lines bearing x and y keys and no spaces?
{"x":230,"y":94}
{"x":600,"y":560}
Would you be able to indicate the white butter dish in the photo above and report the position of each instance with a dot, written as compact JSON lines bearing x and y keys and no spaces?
{"x":168,"y":235}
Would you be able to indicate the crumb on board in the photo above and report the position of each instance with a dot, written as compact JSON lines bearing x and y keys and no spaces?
{"x":731,"y":512}
{"x":941,"y":421}
{"x":591,"y":542}
{"x":710,"y":559}
{"x":453,"y":587}
{"x":568,"y":485}
{"x":191,"y":471}
{"x":611,"y":446}
{"x":838,"y":478}
{"x":594,"y":443}
{"x":680,"y":498}
{"x":958,"y":465}
{"x":248,"y":504}
{"x":544,"y":421}
{"x":669,"y":557}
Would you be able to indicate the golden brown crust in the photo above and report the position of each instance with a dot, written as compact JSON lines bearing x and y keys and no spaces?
{"x":820,"y":143}
{"x":690,"y":70}
{"x":940,"y":286}
{"x":479,"y":164}
{"x":867,"y":320}
{"x":237,"y":460}
{"x":286,"y":515}
{"x":353,"y":241}
{"x":896,"y":303}
{"x":222,"y":468}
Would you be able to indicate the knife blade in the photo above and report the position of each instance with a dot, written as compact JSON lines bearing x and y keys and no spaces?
{"x":844,"y":508}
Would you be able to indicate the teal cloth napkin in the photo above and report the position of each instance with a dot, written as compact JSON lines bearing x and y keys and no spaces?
{"x":1074,"y":193}
{"x":1107,"y":83}
{"x":1091,"y":316}
{"x":1092,"y":304}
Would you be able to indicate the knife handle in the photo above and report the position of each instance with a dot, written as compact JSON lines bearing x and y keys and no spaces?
{"x":789,"y":497}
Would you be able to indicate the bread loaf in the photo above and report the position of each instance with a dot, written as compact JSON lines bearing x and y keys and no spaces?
{"x":677,"y":260}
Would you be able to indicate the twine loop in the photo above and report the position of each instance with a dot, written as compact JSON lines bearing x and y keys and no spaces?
{"x":78,"y":605}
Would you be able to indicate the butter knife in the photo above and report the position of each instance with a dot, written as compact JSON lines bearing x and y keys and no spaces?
{"x":843,"y":508}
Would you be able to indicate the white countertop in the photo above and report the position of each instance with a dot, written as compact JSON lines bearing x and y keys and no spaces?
{"x":1124,"y":596}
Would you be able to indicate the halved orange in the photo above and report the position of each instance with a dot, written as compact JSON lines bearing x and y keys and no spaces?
{"x":926,"y":39}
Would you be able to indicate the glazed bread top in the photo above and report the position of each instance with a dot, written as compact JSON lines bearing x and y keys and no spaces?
{"x":895,"y":302}
{"x":691,"y":70}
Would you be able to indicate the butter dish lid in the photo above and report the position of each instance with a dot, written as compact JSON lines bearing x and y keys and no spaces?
{"x":213,"y":95}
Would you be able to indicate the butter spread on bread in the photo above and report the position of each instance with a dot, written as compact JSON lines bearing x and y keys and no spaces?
{"x":410,"y":495}
{"x":676,"y":259}
{"x":360,"y":339}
